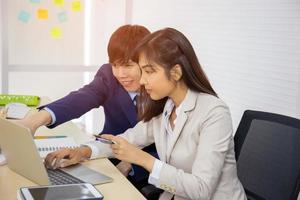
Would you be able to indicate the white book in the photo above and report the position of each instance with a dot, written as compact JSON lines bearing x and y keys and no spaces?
{"x":48,"y":145}
{"x":16,"y":110}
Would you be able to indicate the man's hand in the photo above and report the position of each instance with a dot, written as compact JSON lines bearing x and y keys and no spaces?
{"x":124,"y":168}
{"x":31,"y":121}
{"x":34,"y":121}
{"x":3,"y":113}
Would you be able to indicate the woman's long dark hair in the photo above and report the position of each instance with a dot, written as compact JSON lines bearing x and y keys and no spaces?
{"x":168,"y":47}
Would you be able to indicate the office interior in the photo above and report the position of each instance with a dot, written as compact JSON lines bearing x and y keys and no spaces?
{"x":248,"y":49}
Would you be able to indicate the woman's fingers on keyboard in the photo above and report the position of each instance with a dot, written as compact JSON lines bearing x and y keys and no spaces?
{"x":49,"y":160}
{"x":74,"y":157}
{"x":67,"y":162}
{"x":53,"y":160}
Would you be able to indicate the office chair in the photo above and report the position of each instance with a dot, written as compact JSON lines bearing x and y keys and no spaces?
{"x":267,"y":148}
{"x":151,"y":192}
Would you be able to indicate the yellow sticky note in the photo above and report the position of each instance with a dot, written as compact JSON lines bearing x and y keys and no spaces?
{"x":42,"y":13}
{"x":59,"y":2}
{"x":56,"y":33}
{"x":76,"y":6}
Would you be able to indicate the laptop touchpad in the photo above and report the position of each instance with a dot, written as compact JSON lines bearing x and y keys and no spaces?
{"x":87,"y":175}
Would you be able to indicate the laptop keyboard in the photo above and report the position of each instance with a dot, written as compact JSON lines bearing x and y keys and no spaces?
{"x":59,"y":177}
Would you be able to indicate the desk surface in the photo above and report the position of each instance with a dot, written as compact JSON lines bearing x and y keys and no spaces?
{"x":120,"y":188}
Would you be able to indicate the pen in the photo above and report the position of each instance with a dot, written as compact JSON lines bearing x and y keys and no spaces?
{"x":52,"y":136}
{"x":106,"y":141}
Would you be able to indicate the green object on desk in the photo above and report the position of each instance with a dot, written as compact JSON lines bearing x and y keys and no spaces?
{"x":29,"y":100}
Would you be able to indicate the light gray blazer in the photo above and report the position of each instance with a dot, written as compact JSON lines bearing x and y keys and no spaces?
{"x":200,"y":163}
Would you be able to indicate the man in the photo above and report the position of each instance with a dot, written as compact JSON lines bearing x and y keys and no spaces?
{"x":115,"y":87}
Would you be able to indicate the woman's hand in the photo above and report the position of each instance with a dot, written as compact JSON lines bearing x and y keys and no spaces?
{"x":66,"y":157}
{"x":127,"y":152}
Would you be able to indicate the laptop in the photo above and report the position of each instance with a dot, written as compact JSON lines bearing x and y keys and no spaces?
{"x":22,"y":156}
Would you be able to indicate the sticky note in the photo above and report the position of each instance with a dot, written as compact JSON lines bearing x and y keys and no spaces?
{"x":42,"y":14}
{"x":56,"y":33}
{"x":59,"y":2}
{"x":76,"y":6}
{"x":62,"y":16}
{"x":35,"y":1}
{"x":24,"y":16}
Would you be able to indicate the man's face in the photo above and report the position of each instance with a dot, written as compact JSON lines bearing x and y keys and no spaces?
{"x":128,"y":75}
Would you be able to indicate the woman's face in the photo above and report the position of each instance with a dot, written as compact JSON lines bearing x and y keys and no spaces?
{"x":155,"y":80}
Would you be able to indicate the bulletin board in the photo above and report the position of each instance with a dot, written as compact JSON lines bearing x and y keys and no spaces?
{"x":45,"y":32}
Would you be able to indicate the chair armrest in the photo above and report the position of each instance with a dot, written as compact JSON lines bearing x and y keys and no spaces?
{"x":151,"y":192}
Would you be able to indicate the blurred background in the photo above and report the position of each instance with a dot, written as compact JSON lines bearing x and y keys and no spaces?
{"x":250,"y":50}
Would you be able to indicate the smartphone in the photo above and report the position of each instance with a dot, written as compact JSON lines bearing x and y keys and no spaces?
{"x":106,"y":141}
{"x":60,"y":192}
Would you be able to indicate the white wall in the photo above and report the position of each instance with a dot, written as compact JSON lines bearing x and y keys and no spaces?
{"x":104,"y":17}
{"x":31,"y":44}
{"x":57,"y":81}
{"x":51,"y":84}
{"x":1,"y":47}
{"x":249,"y":49}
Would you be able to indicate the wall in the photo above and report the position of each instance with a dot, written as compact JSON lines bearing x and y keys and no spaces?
{"x":1,"y":64}
{"x":30,"y":42}
{"x":1,"y":48}
{"x":249,"y":49}
{"x":101,"y":18}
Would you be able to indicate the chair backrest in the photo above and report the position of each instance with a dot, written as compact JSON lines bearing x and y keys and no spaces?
{"x":267,"y":148}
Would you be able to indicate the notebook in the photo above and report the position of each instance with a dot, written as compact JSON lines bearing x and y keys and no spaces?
{"x":48,"y":145}
{"x":16,"y":110}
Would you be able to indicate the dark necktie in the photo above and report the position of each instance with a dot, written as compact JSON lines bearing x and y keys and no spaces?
{"x":135,"y":102}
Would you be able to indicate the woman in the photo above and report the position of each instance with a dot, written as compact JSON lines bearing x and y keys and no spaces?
{"x":181,"y":113}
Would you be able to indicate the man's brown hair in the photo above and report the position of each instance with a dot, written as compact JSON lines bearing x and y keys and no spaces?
{"x":123,"y":42}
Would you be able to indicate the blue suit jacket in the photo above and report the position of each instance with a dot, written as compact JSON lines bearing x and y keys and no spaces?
{"x":119,"y":110}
